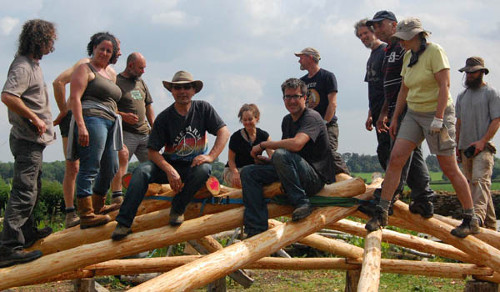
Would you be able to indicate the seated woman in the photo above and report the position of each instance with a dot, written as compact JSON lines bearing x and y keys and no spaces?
{"x":430,"y":116}
{"x":241,"y":144}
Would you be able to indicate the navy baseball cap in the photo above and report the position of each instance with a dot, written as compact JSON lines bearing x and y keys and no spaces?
{"x":381,"y":15}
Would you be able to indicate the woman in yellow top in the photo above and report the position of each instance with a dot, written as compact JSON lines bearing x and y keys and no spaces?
{"x":430,"y":116}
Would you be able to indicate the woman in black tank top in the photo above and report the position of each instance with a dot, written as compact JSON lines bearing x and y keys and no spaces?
{"x":93,"y":101}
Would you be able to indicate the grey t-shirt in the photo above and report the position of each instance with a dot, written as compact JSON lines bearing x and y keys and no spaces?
{"x":25,"y":80}
{"x":476,"y":108}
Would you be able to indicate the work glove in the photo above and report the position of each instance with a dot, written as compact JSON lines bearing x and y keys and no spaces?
{"x":436,"y":125}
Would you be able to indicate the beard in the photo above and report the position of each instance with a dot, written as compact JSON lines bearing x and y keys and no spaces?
{"x":474,"y":83}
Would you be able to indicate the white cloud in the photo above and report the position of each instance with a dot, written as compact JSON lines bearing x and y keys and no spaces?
{"x":175,"y":18}
{"x":7,"y":24}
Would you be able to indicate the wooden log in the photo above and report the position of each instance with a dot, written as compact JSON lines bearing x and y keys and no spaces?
{"x":480,"y":286}
{"x":67,"y":260}
{"x":87,"y":254}
{"x":333,"y":246}
{"x":406,"y":240}
{"x":489,"y":236}
{"x":164,"y":264}
{"x":471,"y":245}
{"x":207,"y":244}
{"x":369,"y":279}
{"x":240,"y":254}
{"x":73,"y":237}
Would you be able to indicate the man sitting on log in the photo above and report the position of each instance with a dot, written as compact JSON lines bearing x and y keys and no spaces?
{"x":181,"y":131}
{"x":301,"y":161}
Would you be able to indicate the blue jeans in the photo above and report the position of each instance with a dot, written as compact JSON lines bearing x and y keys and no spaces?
{"x":19,"y":224}
{"x":192,"y":177}
{"x":98,"y":161}
{"x":298,"y":178}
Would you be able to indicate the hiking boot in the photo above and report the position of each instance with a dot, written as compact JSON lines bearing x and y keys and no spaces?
{"x":424,"y":208}
{"x":87,"y":216}
{"x":71,"y":219}
{"x":175,"y":219}
{"x":301,"y":212}
{"x":379,"y":220}
{"x":9,"y":257}
{"x":120,"y":232}
{"x":38,"y":234}
{"x":98,"y":203}
{"x":470,"y":225}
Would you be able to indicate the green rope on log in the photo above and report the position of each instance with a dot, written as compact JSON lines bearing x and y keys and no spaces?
{"x":320,"y":201}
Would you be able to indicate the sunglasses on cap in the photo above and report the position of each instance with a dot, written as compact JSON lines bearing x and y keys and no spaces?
{"x":182,"y":86}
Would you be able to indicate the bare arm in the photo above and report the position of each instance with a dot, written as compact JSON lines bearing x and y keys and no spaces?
{"x":174,"y":179}
{"x":17,"y":105}
{"x":369,"y":121}
{"x":219,"y":144}
{"x":79,"y":81}
{"x":443,"y":79}
{"x":59,"y":86}
{"x":382,"y":118}
{"x":400,"y":106}
{"x":235,"y":178}
{"x":294,"y":144}
{"x":332,"y":106}
{"x":150,"y":114}
{"x":490,"y":133}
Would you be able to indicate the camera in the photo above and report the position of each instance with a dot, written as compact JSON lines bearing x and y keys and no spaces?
{"x":469,"y":152}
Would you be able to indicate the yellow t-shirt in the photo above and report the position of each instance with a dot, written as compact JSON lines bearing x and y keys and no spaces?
{"x":423,"y":88}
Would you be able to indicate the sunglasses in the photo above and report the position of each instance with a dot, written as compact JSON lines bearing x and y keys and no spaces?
{"x":183,"y":86}
{"x":296,"y":96}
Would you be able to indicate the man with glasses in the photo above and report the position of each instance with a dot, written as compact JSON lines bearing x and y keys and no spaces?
{"x":301,"y":161}
{"x":181,"y":131}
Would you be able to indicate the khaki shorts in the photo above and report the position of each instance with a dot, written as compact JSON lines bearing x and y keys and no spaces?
{"x":415,"y":127}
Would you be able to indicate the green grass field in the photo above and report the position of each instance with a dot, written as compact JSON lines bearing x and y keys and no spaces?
{"x":437,"y":182}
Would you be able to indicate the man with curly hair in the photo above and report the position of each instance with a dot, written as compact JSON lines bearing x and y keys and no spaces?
{"x":25,"y":95}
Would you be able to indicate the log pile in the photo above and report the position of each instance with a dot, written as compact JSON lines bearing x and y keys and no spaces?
{"x":75,"y":253}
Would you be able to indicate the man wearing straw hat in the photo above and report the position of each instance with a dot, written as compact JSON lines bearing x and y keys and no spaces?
{"x":181,"y":130}
{"x":478,"y":119}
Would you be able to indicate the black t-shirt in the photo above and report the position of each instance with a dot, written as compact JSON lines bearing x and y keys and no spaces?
{"x":320,"y":85}
{"x":242,"y":147}
{"x":184,"y":137}
{"x":317,"y":150}
{"x":375,"y":78}
{"x":393,"y":62}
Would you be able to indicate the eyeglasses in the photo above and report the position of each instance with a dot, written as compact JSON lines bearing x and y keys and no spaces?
{"x":296,"y":96}
{"x":184,"y":86}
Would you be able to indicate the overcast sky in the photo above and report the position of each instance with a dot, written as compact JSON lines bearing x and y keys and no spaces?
{"x":243,"y":50}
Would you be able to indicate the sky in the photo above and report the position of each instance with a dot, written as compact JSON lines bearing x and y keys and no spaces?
{"x":243,"y":50}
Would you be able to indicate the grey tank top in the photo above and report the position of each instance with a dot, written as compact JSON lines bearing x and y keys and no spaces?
{"x":103,"y":91}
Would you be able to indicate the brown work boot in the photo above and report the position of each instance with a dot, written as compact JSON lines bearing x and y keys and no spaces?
{"x":71,"y":219}
{"x":379,"y":219}
{"x":470,"y":225}
{"x":87,"y":216}
{"x":98,"y":202}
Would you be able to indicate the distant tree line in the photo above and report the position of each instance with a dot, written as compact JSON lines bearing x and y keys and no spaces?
{"x":54,"y":171}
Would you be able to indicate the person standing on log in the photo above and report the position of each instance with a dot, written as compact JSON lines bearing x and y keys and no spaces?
{"x":138,"y":116}
{"x":25,"y":95}
{"x":375,"y":79}
{"x":95,"y":131}
{"x":478,"y":119}
{"x":301,"y":161}
{"x":181,"y":130}
{"x":430,"y":116}
{"x":322,"y":97}
{"x":63,"y":120}
{"x":414,"y":172}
